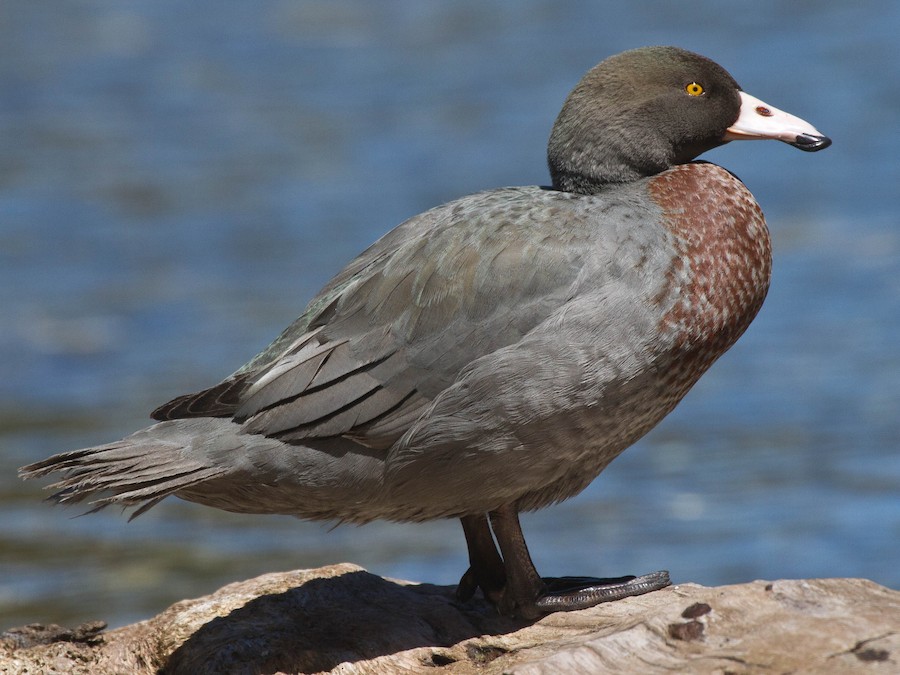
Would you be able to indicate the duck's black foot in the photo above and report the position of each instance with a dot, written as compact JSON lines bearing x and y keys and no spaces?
{"x":512,"y":583}
{"x":565,"y":594}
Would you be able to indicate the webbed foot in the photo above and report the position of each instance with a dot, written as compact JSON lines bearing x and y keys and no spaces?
{"x":563,"y":594}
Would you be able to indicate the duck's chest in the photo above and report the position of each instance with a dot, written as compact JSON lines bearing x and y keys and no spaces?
{"x":722,"y":262}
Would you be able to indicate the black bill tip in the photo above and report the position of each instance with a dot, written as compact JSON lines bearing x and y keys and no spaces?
{"x":811,"y":143}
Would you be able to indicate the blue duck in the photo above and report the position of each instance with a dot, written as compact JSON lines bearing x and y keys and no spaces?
{"x":492,"y":355}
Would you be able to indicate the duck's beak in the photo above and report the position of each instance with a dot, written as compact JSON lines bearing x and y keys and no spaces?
{"x":759,"y":120}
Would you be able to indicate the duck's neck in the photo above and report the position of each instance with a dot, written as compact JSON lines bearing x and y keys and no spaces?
{"x":588,"y":182}
{"x":588,"y":162}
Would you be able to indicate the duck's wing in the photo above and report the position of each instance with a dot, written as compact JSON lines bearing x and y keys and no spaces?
{"x":399,"y":323}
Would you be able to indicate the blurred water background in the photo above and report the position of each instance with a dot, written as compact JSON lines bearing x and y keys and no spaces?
{"x":176,"y":180}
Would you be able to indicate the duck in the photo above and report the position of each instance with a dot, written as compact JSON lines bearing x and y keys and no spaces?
{"x":494,"y":354}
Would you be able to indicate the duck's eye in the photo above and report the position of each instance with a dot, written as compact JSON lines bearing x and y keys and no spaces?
{"x":694,"y":89}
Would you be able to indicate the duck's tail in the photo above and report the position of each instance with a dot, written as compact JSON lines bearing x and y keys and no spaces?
{"x":137,"y":471}
{"x":214,"y":461}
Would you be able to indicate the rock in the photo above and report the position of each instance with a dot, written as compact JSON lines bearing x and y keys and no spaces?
{"x":343,"y":618}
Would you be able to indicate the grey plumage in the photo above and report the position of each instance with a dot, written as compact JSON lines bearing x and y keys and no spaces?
{"x":474,"y":332}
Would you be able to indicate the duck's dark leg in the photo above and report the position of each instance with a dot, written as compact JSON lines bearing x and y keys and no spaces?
{"x":528,"y":596}
{"x":523,"y":584}
{"x":485,"y":565}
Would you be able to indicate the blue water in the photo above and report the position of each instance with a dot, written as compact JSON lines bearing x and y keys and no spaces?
{"x":176,"y":179}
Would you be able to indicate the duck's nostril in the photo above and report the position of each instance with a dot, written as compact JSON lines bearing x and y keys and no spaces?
{"x":763,"y":110}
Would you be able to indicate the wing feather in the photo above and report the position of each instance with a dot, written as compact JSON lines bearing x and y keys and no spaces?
{"x":399,"y":323}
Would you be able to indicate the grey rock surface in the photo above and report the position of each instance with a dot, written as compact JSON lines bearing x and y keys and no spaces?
{"x":343,"y":619}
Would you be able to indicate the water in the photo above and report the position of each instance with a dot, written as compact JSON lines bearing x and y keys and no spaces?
{"x":176,"y":179}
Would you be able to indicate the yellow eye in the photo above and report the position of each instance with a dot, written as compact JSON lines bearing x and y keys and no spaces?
{"x":694,"y":89}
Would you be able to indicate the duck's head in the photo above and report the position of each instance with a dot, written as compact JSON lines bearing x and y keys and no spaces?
{"x":642,"y":111}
